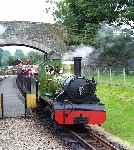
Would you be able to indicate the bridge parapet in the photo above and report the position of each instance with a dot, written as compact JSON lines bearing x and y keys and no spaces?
{"x":45,"y":37}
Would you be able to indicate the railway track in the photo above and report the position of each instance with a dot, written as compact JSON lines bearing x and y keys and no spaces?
{"x":91,"y":140}
{"x":84,"y":136}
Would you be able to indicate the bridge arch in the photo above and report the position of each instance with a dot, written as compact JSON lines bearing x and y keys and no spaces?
{"x":25,"y":45}
{"x":40,"y":36}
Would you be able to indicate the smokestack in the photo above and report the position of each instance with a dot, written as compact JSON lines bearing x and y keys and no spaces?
{"x":77,"y":66}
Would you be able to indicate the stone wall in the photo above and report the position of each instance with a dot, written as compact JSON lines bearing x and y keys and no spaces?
{"x":41,"y":36}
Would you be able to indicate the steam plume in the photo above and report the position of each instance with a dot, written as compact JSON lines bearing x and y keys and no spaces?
{"x":82,"y":51}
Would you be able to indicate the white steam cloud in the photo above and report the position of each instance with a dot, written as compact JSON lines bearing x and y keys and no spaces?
{"x":82,"y":51}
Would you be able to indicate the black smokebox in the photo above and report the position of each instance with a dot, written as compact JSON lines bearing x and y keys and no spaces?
{"x":77,"y":66}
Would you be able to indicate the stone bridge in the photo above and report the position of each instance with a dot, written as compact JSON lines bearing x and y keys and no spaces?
{"x":41,"y":36}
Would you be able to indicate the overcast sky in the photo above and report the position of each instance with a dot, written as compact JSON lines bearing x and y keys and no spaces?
{"x":25,"y":10}
{"x":12,"y":49}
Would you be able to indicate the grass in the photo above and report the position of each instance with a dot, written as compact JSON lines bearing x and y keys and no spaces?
{"x":119,"y":103}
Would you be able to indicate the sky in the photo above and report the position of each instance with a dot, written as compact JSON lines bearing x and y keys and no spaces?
{"x":25,"y":10}
{"x":12,"y":49}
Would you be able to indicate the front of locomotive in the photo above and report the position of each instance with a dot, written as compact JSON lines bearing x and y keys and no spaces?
{"x":78,"y":103}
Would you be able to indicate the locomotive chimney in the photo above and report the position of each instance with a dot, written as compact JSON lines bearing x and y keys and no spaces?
{"x":77,"y":66}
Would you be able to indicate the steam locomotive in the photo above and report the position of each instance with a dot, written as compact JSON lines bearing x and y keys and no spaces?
{"x":77,"y":102}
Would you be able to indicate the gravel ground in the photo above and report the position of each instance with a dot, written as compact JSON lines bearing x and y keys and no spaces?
{"x":31,"y":134}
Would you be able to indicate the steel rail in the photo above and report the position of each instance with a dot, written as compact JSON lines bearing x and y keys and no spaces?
{"x":103,"y":144}
{"x":82,"y":141}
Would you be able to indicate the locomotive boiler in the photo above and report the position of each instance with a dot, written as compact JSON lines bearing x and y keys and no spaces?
{"x":77,"y":102}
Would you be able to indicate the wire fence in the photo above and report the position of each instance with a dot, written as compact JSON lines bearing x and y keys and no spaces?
{"x":113,"y":76}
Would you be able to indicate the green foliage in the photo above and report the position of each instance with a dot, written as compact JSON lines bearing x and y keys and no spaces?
{"x":1,"y":53}
{"x":48,"y":82}
{"x":5,"y":57}
{"x":115,"y":49}
{"x":55,"y":63}
{"x":52,"y":85}
{"x":19,"y":54}
{"x":11,"y":60}
{"x":42,"y":85}
{"x":42,"y":78}
{"x":35,"y":57}
{"x":82,"y":18}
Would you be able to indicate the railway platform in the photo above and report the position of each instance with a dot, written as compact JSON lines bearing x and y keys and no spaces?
{"x":13,"y":101}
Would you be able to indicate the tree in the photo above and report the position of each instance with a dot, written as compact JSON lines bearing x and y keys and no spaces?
{"x":1,"y":53}
{"x":115,"y":49}
{"x":35,"y":57}
{"x":19,"y":54}
{"x":82,"y":18}
{"x":5,"y":57}
{"x":11,"y":61}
